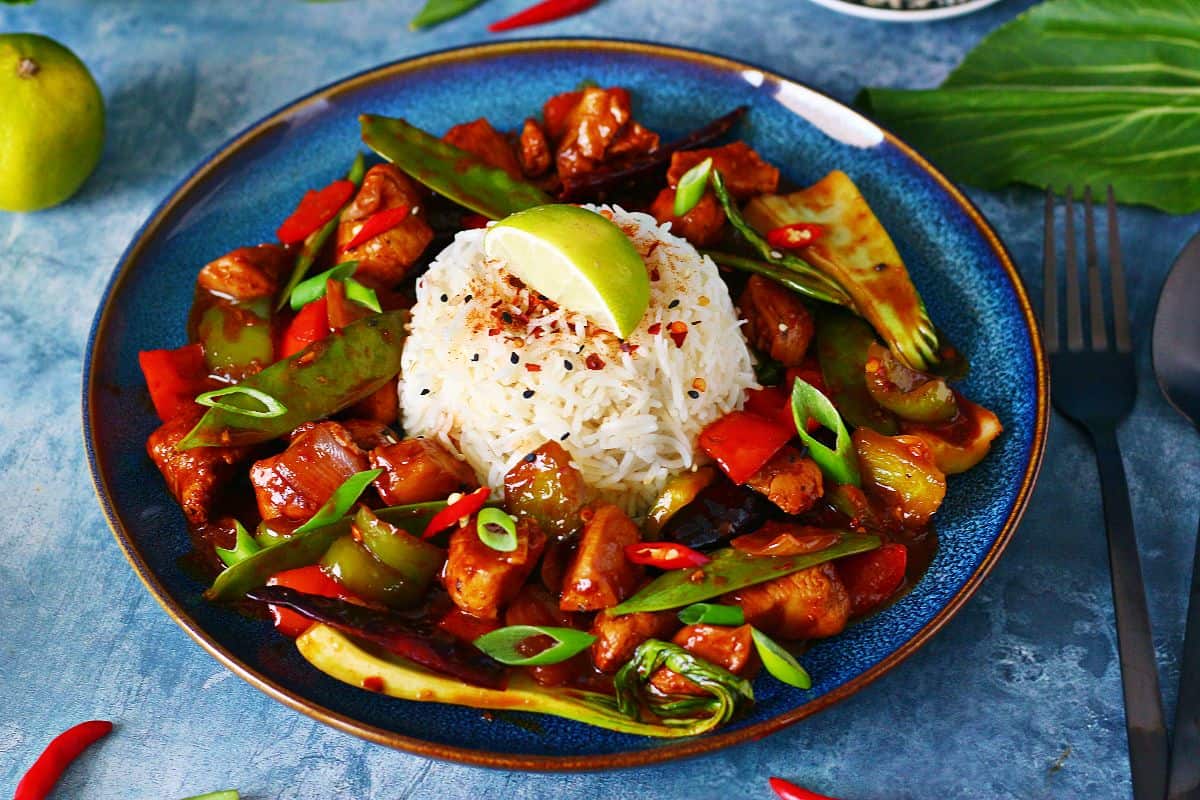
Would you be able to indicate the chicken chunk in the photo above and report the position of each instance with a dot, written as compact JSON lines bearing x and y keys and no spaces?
{"x":480,"y":580}
{"x":419,"y":470}
{"x":384,"y":259}
{"x":743,"y":170}
{"x":535,"y":150}
{"x":789,"y":480}
{"x":535,"y":606}
{"x":556,"y":110}
{"x":382,"y":405}
{"x":618,"y":637}
{"x":633,"y":140}
{"x":810,"y":604}
{"x":702,"y":226}
{"x":194,"y":475}
{"x":247,"y":273}
{"x":731,"y":648}
{"x":298,"y":481}
{"x":369,"y":434}
{"x":490,"y":146}
{"x":600,"y":576}
{"x":777,"y":322}
{"x":590,"y":127}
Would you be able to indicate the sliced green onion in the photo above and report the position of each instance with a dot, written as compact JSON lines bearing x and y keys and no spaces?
{"x":779,"y":662}
{"x":363,"y":295}
{"x":712,"y":614}
{"x":497,"y":530}
{"x":244,"y":546}
{"x":840,"y":464}
{"x":313,"y":288}
{"x":271,"y":406}
{"x":357,"y":170}
{"x":342,"y":500}
{"x":502,"y":644}
{"x":224,"y":794}
{"x":691,"y":187}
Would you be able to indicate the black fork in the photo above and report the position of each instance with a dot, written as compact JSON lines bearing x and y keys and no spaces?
{"x":1094,"y":385}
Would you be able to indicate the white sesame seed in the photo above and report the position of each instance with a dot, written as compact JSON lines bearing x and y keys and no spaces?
{"x":783,"y":327}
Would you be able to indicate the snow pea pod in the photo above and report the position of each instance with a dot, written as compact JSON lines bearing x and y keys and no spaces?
{"x":449,"y":171}
{"x":842,"y":343}
{"x":320,"y":380}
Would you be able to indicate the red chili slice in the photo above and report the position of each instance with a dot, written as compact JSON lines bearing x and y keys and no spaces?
{"x":463,"y":507}
{"x":315,"y":209}
{"x":379,"y":223}
{"x":798,"y":234}
{"x":545,"y":11}
{"x":311,"y":324}
{"x":665,"y":555}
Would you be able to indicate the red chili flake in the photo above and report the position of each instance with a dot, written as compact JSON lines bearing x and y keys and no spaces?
{"x":654,"y":329}
{"x":533,"y":367}
{"x":373,"y":683}
{"x":493,"y":331}
{"x":586,"y":514}
{"x":536,"y":332}
{"x":699,"y":384}
{"x":654,"y":275}
{"x":626,"y":347}
{"x":678,"y":331}
{"x":594,"y":361}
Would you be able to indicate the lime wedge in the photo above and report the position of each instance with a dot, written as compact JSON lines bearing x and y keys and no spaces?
{"x":578,"y":259}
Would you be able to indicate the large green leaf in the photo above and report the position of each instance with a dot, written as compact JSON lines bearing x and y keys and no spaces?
{"x":1072,"y":92}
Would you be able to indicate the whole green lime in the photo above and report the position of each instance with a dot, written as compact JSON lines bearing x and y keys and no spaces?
{"x":51,"y":122}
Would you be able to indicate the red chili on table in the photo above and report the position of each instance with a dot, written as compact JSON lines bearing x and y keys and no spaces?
{"x":463,"y":507}
{"x":63,"y":749}
{"x":741,"y":443}
{"x":545,"y":11}
{"x":315,"y":209}
{"x":665,"y":555}
{"x":379,"y":223}
{"x":798,"y":234}
{"x":786,"y":790}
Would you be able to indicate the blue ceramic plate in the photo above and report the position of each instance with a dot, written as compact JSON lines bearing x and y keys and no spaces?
{"x":237,"y":197}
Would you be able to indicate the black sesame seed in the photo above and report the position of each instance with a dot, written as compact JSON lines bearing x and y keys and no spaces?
{"x":563,"y":438}
{"x":514,"y":358}
{"x":468,"y":298}
{"x":528,"y":393}
{"x":445,"y":298}
{"x":424,"y":392}
{"x":475,"y":357}
{"x":673,"y":304}
{"x":692,"y":393}
{"x":530,"y":458}
{"x":567,"y":365}
{"x":507,"y":317}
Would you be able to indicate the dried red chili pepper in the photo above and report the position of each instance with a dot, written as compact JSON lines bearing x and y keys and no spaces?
{"x":665,"y":555}
{"x":798,"y":234}
{"x":786,"y":790}
{"x":379,"y":223}
{"x":463,"y":507}
{"x":315,"y":209}
{"x":63,"y":749}
{"x":545,"y":11}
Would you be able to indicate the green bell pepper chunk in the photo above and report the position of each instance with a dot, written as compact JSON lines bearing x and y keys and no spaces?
{"x":362,"y":573}
{"x":842,"y":342}
{"x":236,"y":337}
{"x":909,"y":394}
{"x":417,"y":560}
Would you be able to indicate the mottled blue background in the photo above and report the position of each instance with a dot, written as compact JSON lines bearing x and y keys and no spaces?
{"x":1018,"y":697}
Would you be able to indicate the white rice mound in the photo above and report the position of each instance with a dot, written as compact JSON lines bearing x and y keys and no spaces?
{"x":629,"y":425}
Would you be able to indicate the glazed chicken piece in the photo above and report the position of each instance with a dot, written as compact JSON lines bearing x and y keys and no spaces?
{"x":535,"y":150}
{"x":535,"y":606}
{"x":731,"y":648}
{"x":383,"y":260}
{"x":702,"y":226}
{"x":419,"y":470}
{"x":480,"y":580}
{"x":298,"y":481}
{"x":618,"y":637}
{"x":600,"y":576}
{"x":247,"y":273}
{"x":743,"y":170}
{"x":777,"y":322}
{"x":810,"y":604}
{"x":789,"y":480}
{"x":591,"y":126}
{"x":194,"y":475}
{"x":633,"y":140}
{"x":480,"y":139}
{"x":382,"y":405}
{"x":555,"y":112}
{"x":369,"y":434}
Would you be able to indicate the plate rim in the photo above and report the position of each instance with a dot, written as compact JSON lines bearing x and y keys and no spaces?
{"x":676,"y":749}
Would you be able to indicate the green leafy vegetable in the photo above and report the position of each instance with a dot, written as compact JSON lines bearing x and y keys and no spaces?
{"x":244,"y":546}
{"x":435,"y":12}
{"x":691,"y":187}
{"x":270,"y":406}
{"x":712,"y":614}
{"x":839,"y":464}
{"x":1071,"y":92}
{"x":503,"y":644}
{"x":842,"y":342}
{"x":730,"y":570}
{"x":497,"y":530}
{"x":779,"y":662}
{"x":727,"y":691}
{"x":313,"y":288}
{"x":343,"y":498}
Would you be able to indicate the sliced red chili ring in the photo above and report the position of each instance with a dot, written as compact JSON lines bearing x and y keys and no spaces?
{"x":380,"y":223}
{"x":463,"y":507}
{"x":665,"y":555}
{"x":798,"y":234}
{"x":315,"y":209}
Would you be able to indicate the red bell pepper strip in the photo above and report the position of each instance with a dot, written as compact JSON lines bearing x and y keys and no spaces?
{"x":665,"y":555}
{"x":741,"y":443}
{"x":786,"y":790}
{"x":63,"y":749}
{"x":464,"y":506}
{"x":545,"y":11}
{"x":871,"y":578}
{"x":772,"y":403}
{"x":309,"y":580}
{"x":311,"y":324}
{"x":174,"y":378}
{"x":798,"y":234}
{"x":382,"y":222}
{"x":466,"y":627}
{"x":315,"y":209}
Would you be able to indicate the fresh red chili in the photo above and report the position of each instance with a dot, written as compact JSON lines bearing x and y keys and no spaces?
{"x":311,"y":324}
{"x":379,"y":223}
{"x":174,"y":378}
{"x":315,"y":209}
{"x":741,"y":443}
{"x":665,"y":555}
{"x":798,"y":234}
{"x":465,"y":506}
{"x":786,"y":790}
{"x":545,"y":11}
{"x":63,"y":749}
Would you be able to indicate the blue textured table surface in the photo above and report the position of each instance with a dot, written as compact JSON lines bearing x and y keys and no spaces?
{"x":1018,"y":697}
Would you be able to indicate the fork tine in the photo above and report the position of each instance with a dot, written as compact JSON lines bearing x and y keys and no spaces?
{"x":1071,"y":264}
{"x":1095,"y":290}
{"x":1049,"y":279}
{"x":1117,"y":273}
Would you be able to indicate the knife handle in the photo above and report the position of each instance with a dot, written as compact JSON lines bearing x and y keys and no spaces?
{"x":1185,"y":751}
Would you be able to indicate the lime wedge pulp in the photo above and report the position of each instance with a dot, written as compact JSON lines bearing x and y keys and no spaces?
{"x":578,"y":259}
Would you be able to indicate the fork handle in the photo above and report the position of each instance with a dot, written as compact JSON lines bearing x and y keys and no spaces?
{"x":1185,"y":749}
{"x":1144,"y":723}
